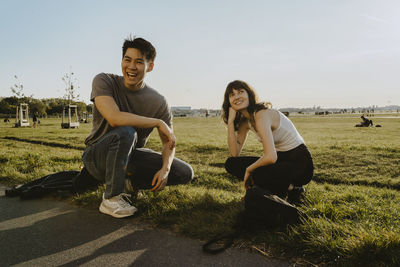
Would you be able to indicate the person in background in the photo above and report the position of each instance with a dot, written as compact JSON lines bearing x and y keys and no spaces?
{"x":34,"y":118}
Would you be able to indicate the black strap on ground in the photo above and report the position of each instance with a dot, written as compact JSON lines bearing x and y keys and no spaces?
{"x":213,"y":247}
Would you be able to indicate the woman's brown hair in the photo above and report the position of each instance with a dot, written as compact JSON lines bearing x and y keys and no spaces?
{"x":254,"y":102}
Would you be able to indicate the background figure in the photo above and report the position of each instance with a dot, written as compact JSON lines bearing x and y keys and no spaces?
{"x":34,"y":118}
{"x":365,"y":122}
{"x":286,"y":164}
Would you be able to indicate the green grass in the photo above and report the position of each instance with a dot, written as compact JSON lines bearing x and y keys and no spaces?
{"x":352,"y":204}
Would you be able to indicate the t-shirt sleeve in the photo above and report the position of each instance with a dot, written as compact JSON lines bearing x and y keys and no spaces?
{"x":101,"y":86}
{"x":165,"y":113}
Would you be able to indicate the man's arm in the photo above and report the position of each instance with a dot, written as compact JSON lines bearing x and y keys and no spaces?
{"x":109,"y":110}
{"x":160,"y":179}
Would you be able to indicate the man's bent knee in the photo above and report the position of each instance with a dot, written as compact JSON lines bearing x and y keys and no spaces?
{"x":183,"y":172}
{"x":126,"y":131}
{"x":126,"y":135}
{"x":188,"y":174}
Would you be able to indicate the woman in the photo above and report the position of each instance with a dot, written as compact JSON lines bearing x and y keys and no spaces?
{"x":286,"y":164}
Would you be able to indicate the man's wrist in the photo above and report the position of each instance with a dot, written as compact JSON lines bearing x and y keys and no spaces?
{"x":158,"y":123}
{"x":166,"y":169}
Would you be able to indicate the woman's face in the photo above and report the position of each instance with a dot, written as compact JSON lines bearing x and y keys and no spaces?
{"x":239,"y":99}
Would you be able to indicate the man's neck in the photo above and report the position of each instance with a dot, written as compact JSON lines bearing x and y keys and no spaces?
{"x":136,"y":87}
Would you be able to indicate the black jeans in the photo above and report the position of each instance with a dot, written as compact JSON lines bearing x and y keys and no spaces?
{"x":292,"y":167}
{"x":114,"y":158}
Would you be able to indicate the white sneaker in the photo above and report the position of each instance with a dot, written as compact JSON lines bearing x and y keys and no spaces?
{"x":118,"y":206}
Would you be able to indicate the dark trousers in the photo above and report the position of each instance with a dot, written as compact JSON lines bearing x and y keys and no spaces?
{"x":292,"y":167}
{"x":114,"y":158}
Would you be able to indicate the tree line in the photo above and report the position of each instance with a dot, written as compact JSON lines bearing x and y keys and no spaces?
{"x":42,"y":107}
{"x":47,"y":106}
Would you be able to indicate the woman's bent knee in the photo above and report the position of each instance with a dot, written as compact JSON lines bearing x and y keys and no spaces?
{"x":229,"y":164}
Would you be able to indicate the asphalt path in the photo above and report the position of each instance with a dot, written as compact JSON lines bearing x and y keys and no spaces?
{"x":49,"y":232}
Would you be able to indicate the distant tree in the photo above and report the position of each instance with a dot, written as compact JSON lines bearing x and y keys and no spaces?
{"x":89,"y":108}
{"x":37,"y":106}
{"x":55,"y":105}
{"x":12,"y":100}
{"x":6,"y":108}
{"x":17,"y":88}
{"x":70,"y":81}
{"x":81,"y":107}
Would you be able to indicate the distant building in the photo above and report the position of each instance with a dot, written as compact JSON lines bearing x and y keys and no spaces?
{"x":181,"y":108}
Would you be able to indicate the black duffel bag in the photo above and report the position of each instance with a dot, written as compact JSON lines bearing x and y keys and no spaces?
{"x":62,"y":183}
{"x":263,"y":210}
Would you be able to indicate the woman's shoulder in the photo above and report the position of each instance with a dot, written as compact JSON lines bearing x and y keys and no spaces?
{"x":266,"y":113}
{"x":270,"y":116}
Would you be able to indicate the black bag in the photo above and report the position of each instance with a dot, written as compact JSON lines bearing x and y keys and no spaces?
{"x":263,"y":210}
{"x":64,"y":182}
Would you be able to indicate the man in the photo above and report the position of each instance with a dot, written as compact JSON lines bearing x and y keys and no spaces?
{"x":34,"y":119}
{"x":125,"y":112}
{"x":366,"y":122}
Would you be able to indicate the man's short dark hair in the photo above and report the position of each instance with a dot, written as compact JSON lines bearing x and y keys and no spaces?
{"x":145,"y":47}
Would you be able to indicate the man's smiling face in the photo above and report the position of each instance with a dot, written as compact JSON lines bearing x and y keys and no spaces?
{"x":134,"y":68}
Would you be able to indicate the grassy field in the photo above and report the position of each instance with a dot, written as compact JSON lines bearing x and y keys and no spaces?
{"x":353,"y":203}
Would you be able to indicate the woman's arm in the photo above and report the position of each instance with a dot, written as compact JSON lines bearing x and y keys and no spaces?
{"x":263,"y":121}
{"x":236,"y":139}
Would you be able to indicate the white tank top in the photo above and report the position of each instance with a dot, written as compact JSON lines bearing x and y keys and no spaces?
{"x":286,"y":137}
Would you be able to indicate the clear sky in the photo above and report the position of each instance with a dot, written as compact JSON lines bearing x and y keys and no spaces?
{"x":295,"y":53}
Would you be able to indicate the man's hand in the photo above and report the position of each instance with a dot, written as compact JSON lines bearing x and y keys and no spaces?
{"x":167,"y":134}
{"x":231,"y":115}
{"x":160,"y":180}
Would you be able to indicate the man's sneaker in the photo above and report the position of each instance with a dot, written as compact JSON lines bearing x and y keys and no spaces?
{"x":118,"y":206}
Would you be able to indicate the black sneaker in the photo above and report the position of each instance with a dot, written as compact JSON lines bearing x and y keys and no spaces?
{"x":295,"y":195}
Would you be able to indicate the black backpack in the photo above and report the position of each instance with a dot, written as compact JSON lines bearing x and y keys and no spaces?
{"x":61,"y":183}
{"x":262,"y":210}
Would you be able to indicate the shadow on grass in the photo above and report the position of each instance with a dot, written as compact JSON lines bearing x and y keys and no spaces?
{"x":217,"y":164}
{"x":38,"y":142}
{"x":206,"y":148}
{"x":201,"y":216}
{"x":223,"y":181}
{"x":372,"y":254}
{"x":336,"y":181}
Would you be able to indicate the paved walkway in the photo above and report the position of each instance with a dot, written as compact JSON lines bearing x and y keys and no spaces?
{"x":47,"y":232}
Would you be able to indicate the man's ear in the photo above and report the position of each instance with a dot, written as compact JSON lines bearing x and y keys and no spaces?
{"x":150,"y":67}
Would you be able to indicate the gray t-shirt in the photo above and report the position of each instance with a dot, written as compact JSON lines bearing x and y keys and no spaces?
{"x":145,"y":102}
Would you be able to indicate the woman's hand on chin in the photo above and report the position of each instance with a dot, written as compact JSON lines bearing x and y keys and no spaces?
{"x":232,"y":114}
